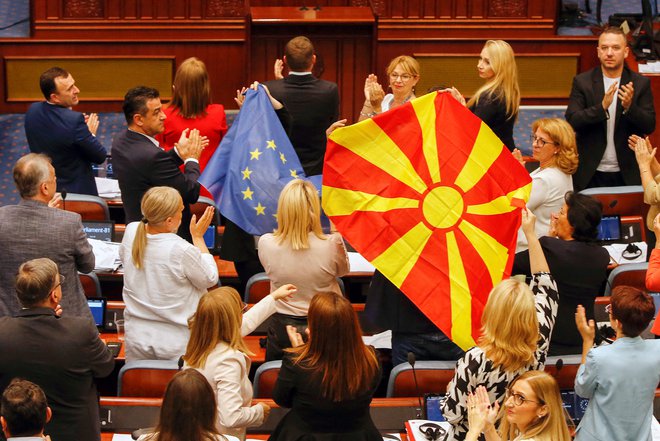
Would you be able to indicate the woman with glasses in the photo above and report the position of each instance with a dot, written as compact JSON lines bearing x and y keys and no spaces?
{"x":554,"y":147}
{"x":619,"y":379}
{"x":329,"y":381}
{"x":532,"y":411}
{"x":577,"y":262}
{"x":216,"y":349}
{"x":496,"y":102}
{"x":164,"y":276}
{"x":516,"y":326}
{"x":298,"y":252}
{"x":403,"y":75}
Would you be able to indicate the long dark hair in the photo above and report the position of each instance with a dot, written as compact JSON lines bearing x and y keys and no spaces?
{"x":335,"y":350}
{"x":188,"y":412}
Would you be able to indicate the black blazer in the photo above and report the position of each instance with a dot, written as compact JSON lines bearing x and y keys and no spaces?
{"x":587,"y":116}
{"x":63,"y":135}
{"x":493,"y":112}
{"x":63,"y":356}
{"x":139,"y":165}
{"x":314,"y":106}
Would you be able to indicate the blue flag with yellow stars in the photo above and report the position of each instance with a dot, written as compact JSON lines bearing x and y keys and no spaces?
{"x":253,"y":163}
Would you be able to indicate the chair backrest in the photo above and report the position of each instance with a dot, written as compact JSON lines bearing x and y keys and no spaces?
{"x":630,"y":274}
{"x":87,"y":206}
{"x":258,"y":287}
{"x":625,"y":200}
{"x":265,"y":378}
{"x":145,"y":378}
{"x":91,"y":284}
{"x":432,"y":377}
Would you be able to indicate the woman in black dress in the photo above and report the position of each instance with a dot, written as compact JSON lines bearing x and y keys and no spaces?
{"x":496,"y":102}
{"x":578,"y":264}
{"x":328,"y":382}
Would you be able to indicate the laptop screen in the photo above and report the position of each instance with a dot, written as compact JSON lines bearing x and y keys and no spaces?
{"x":97,"y":306}
{"x":609,"y":229}
{"x":99,"y":230}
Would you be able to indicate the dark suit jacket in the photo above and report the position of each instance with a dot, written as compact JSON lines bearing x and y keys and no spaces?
{"x":139,"y":165}
{"x":313,"y":105}
{"x":587,"y":116}
{"x":31,"y":230}
{"x":63,"y":135}
{"x":63,"y":356}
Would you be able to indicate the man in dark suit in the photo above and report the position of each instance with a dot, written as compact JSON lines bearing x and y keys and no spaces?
{"x":34,"y":229}
{"x":140,"y":163}
{"x":62,"y":355}
{"x":68,"y":137}
{"x":607,"y":105}
{"x":25,"y":410}
{"x":312,"y":103}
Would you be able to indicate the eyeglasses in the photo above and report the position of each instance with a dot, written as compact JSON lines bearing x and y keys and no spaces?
{"x":62,"y":279}
{"x":540,"y":141}
{"x":403,"y":77}
{"x":518,"y":399}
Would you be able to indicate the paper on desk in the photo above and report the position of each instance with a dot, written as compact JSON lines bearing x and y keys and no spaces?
{"x":616,"y":250}
{"x":379,"y":341}
{"x":649,"y":67}
{"x":655,"y":429}
{"x":106,"y":254}
{"x":359,"y":263}
{"x":122,"y":437}
{"x":108,"y":188}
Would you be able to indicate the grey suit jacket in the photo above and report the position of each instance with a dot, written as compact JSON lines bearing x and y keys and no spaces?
{"x":63,"y":356}
{"x":31,"y":230}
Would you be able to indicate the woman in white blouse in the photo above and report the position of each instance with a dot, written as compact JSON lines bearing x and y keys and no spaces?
{"x":553,"y":145}
{"x":164,"y":276}
{"x":216,"y":348}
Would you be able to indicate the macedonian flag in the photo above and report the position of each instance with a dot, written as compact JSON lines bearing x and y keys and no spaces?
{"x":431,"y":197}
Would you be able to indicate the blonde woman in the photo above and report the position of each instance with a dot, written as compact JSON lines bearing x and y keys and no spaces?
{"x":191,"y":108}
{"x":496,"y":102}
{"x":216,"y":348}
{"x":532,"y":411}
{"x":403,"y":75}
{"x":517,"y":323}
{"x":553,"y":145}
{"x":299,"y":253}
{"x":164,"y":276}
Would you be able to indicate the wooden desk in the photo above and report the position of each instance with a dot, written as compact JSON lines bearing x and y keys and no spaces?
{"x":252,"y":342}
{"x":327,"y":15}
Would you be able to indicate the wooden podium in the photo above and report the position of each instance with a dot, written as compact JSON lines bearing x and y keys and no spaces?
{"x":343,"y":38}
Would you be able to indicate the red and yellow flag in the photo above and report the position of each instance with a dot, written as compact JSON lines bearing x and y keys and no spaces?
{"x":431,"y":197}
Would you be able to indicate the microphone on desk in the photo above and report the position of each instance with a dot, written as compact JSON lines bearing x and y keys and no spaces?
{"x":558,"y":366}
{"x":411,"y":360}
{"x":303,"y":7}
{"x":63,"y":194}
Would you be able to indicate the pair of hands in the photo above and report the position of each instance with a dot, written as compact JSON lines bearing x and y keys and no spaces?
{"x":191,"y":144}
{"x":481,"y":414}
{"x":92,"y":121}
{"x":625,"y":94}
{"x":240,"y":96}
{"x":373,"y":92}
{"x":644,"y":151}
{"x":586,"y":328}
{"x":199,"y":227}
{"x":456,"y":94}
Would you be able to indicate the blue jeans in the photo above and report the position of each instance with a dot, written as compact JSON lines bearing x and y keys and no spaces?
{"x":428,"y":346}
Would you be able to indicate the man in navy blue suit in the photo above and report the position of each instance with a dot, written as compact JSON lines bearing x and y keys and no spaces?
{"x":68,"y":137}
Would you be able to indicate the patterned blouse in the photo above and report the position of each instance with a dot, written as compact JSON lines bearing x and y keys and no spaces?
{"x":474,"y":369}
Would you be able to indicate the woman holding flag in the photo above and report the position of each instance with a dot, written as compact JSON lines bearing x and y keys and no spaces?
{"x":517,"y":323}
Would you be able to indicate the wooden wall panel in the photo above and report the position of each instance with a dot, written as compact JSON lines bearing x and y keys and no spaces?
{"x":224,"y":61}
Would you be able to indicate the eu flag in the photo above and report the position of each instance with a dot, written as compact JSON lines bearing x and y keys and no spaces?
{"x":254,"y":161}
